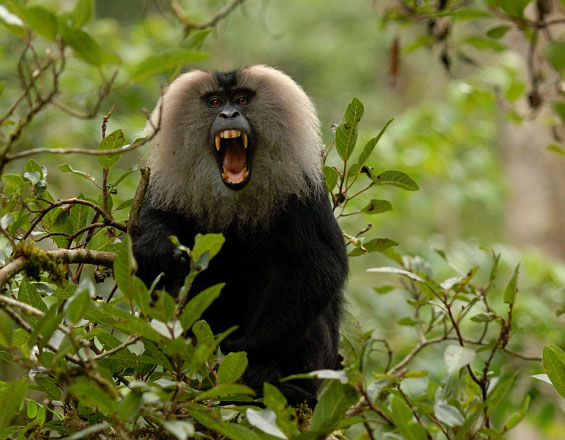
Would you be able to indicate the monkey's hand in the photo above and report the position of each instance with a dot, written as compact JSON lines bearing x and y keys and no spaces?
{"x":155,"y":253}
{"x":236,"y":345}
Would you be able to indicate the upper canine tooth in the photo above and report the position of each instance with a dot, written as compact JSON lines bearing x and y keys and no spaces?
{"x":217,"y":140}
{"x":244,"y":136}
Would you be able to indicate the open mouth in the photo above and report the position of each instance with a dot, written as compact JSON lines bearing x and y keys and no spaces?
{"x":231,"y":146}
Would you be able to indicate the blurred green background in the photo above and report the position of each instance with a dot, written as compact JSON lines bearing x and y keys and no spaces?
{"x":486,"y":178}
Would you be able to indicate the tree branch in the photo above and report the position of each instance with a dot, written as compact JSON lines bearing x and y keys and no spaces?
{"x":190,"y":25}
{"x":67,"y":256}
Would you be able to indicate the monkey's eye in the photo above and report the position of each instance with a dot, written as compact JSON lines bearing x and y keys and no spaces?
{"x":242,"y":100}
{"x":215,"y":102}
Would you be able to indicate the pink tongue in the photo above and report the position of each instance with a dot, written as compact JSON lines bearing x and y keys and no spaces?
{"x":234,"y":158}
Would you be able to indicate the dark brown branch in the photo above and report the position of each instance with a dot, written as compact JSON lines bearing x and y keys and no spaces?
{"x":27,"y":153}
{"x":137,"y":204}
{"x":190,"y":25}
{"x":107,"y":219}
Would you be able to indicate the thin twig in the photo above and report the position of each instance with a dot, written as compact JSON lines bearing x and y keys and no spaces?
{"x":74,"y":201}
{"x":190,"y":25}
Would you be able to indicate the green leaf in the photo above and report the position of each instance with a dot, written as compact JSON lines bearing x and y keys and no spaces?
{"x":84,"y":46}
{"x":12,"y":22}
{"x":124,"y":268}
{"x":48,"y":385}
{"x":156,"y":354}
{"x":165,"y":62}
{"x":416,"y":374}
{"x":232,"y":367}
{"x":331,"y":177}
{"x":370,"y":146}
{"x":141,"y":296}
{"x":483,"y":317}
{"x":196,"y":39}
{"x":448,"y":414}
{"x":11,"y":396}
{"x":375,"y":245}
{"x":286,"y":416}
{"x":164,"y":308}
{"x":408,"y":322}
{"x":265,"y":420}
{"x":111,"y":142}
{"x":543,"y":378}
{"x":78,"y":216}
{"x":78,"y":304}
{"x":67,"y":168}
{"x":559,"y":108}
{"x":90,"y":394}
{"x":395,"y":270}
{"x":31,"y":409}
{"x":197,"y":305}
{"x":514,"y":90}
{"x":89,"y":432}
{"x":335,"y":399}
{"x":28,"y":294}
{"x":512,"y":287}
{"x":498,"y":31}
{"x":377,"y":206}
{"x":556,"y":149}
{"x":181,"y":429}
{"x":554,"y":366}
{"x":215,"y":423}
{"x":498,"y":394}
{"x":41,"y":21}
{"x":517,"y":417}
{"x":396,"y":178}
{"x":462,"y":13}
{"x":402,"y":417}
{"x":6,"y":328}
{"x":211,"y":243}
{"x":103,"y":241}
{"x":555,"y":54}
{"x":46,"y":326}
{"x":346,"y":132}
{"x":514,"y":8}
{"x":470,"y":421}
{"x":485,"y":43}
{"x":225,"y":390}
{"x":112,"y":316}
{"x":126,"y":174}
{"x":320,"y":374}
{"x":82,"y":13}
{"x":456,"y":357}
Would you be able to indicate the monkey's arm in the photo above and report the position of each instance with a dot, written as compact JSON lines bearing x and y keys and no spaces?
{"x":154,"y":251}
{"x":299,"y":274}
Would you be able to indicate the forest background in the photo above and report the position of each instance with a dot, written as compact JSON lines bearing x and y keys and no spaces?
{"x":475,"y":91}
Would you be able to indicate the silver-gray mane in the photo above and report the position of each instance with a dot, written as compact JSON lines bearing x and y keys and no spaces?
{"x":184,"y":172}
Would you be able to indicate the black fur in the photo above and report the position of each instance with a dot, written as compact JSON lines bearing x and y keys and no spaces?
{"x":284,"y":287}
{"x":227,"y":80}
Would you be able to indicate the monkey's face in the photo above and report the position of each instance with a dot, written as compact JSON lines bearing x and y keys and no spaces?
{"x":231,"y":135}
{"x":233,"y":145}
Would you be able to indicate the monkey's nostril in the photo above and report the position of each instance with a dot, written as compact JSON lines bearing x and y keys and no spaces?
{"x":229,"y":114}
